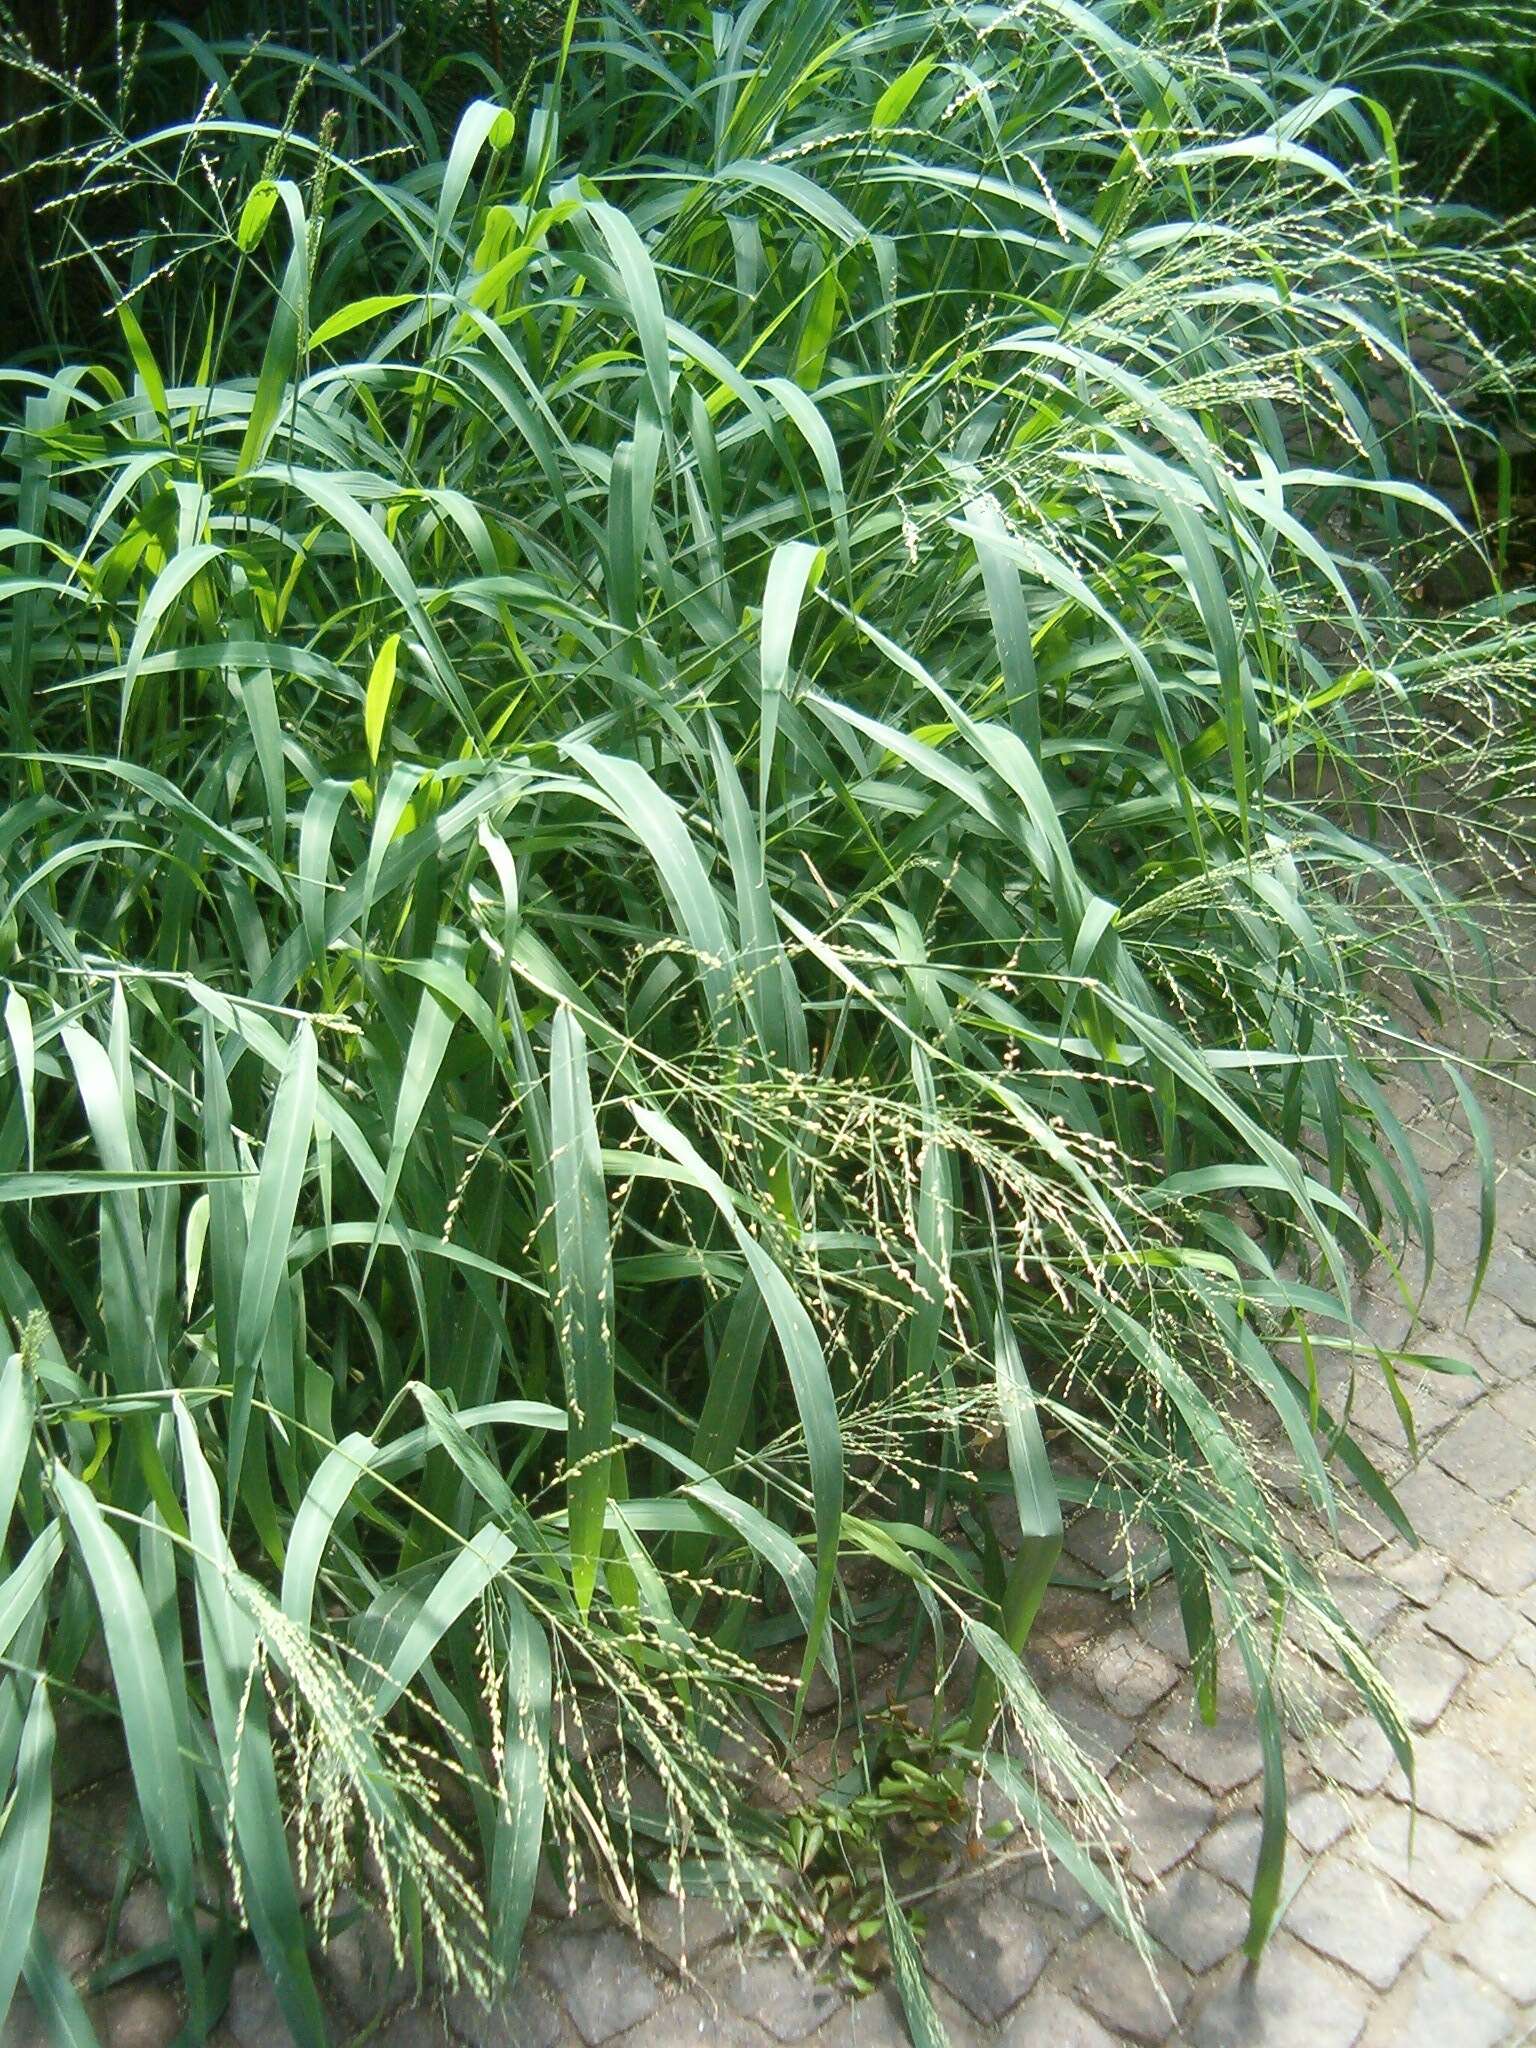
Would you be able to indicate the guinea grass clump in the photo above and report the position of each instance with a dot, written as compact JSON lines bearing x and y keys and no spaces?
{"x":676,"y":969}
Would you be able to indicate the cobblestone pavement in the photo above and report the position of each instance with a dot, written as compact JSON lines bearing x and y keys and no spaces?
{"x":1393,"y":1932}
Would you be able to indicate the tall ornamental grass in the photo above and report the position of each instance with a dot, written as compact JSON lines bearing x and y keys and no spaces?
{"x":698,"y":787}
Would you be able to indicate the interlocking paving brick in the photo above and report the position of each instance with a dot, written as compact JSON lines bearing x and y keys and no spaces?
{"x":1157,"y":1619}
{"x":1424,"y":1677}
{"x":1359,"y":1920}
{"x":1366,"y":1600}
{"x":253,"y":2016}
{"x":1220,"y":1757}
{"x":1056,"y":1889}
{"x":1165,"y":1816}
{"x":1502,"y":1559}
{"x":776,"y":1993}
{"x":1517,"y":1865}
{"x":1285,"y":2001}
{"x":363,"y":1969}
{"x":1471,"y":1619}
{"x":1458,"y":1389}
{"x":1317,"y":1820}
{"x":1103,"y":1737}
{"x":1500,"y":1944}
{"x":518,"y":2018}
{"x":682,"y":1929}
{"x":1197,"y":1918}
{"x":1130,"y":1674}
{"x":417,"y":2026}
{"x":1500,"y":1339}
{"x":1108,"y":1542}
{"x":600,"y":1978}
{"x":987,"y":1950}
{"x":74,"y":1932}
{"x":1441,"y":1511}
{"x":1517,"y":1209}
{"x":1455,"y":1784}
{"x":685,"y":2021}
{"x":1357,"y":1756}
{"x":1419,"y":1573}
{"x":873,"y":2022}
{"x":1372,"y":1408}
{"x":1517,"y":1405}
{"x":1046,"y":2019}
{"x":1363,"y":1530}
{"x":1233,"y":1850}
{"x":1450,"y":2009}
{"x":1069,"y":1617}
{"x":1114,"y":1983}
{"x":1432,"y":1863}
{"x":1511,"y":1279}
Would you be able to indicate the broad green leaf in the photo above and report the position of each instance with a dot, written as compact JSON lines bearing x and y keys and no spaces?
{"x":24,"y":1839}
{"x":583,"y":1301}
{"x":286,"y":335}
{"x":380,"y":692}
{"x":290,"y":1132}
{"x":143,"y":1697}
{"x":524,"y":1775}
{"x":900,"y":94}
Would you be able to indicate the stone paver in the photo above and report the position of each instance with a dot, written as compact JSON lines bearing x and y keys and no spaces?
{"x":1443,"y":1512}
{"x":1102,"y":1736}
{"x":1473,"y":1620}
{"x":600,"y":1979}
{"x":1048,"y":2017}
{"x":689,"y":2022}
{"x":1286,"y":2001}
{"x":1502,"y":1560}
{"x":1485,"y":1454}
{"x":1165,"y":1816}
{"x":1451,"y":2008}
{"x":1461,"y":1787}
{"x":519,"y":2018}
{"x":1357,"y":1918}
{"x":1220,"y":1757}
{"x":1500,"y":1943}
{"x":1131,"y":1675}
{"x":1431,"y":1862}
{"x":1059,"y":1895}
{"x":1110,"y":1979}
{"x":1198,"y":1919}
{"x":1424,"y":1676}
{"x":1357,"y":1755}
{"x":778,"y":1995}
{"x":1419,"y":1574}
{"x":987,"y":1952}
{"x":1517,"y":1866}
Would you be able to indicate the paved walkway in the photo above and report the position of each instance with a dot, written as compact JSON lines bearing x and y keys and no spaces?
{"x":1377,"y":1945}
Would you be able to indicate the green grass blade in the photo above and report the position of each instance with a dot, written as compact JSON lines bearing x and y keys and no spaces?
{"x":583,"y":1296}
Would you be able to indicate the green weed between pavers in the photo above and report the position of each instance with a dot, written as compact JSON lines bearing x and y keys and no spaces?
{"x":674,"y":962}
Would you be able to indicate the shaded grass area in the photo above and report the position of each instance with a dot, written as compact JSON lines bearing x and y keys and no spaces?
{"x":701,"y":779}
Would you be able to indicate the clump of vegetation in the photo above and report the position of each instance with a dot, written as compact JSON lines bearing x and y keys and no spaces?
{"x":693,"y":781}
